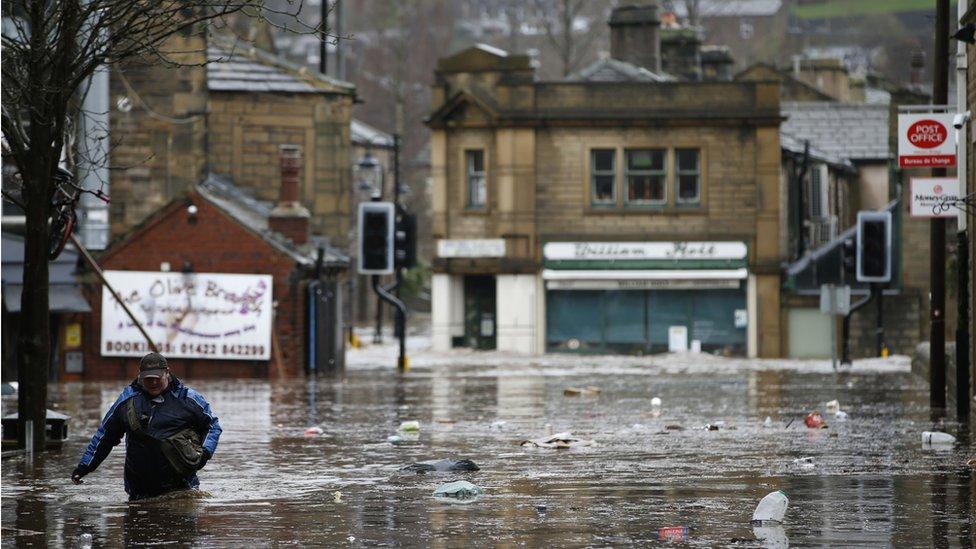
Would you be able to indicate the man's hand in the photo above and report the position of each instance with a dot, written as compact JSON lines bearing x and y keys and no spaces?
{"x":77,"y":474}
{"x":204,"y":458}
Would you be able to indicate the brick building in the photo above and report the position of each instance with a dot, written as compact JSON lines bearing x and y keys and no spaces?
{"x":619,"y":210}
{"x":219,"y":228}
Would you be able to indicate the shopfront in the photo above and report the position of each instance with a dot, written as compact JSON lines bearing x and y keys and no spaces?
{"x":647,"y":297}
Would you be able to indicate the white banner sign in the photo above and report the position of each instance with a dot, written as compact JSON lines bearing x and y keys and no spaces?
{"x":643,"y":250}
{"x":195,"y":315}
{"x":935,"y":197}
{"x":926,"y":140}
{"x":481,"y":247}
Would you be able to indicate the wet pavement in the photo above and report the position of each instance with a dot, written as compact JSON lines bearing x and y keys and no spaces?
{"x":871,"y":484}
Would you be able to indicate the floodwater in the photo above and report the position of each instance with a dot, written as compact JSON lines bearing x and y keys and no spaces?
{"x":871,"y":484}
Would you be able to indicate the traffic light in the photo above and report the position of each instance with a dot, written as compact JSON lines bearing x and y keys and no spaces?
{"x":873,"y":246}
{"x":376,"y":223}
{"x":405,"y":247}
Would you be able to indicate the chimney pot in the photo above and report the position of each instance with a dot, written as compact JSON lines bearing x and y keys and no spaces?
{"x":289,"y":218}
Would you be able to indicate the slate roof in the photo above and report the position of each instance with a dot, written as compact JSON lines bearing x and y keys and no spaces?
{"x":795,"y":145}
{"x":364,"y":135}
{"x":64,"y":294}
{"x":238,"y":66}
{"x":853,"y":131}
{"x":240,"y":204}
{"x":614,"y":70}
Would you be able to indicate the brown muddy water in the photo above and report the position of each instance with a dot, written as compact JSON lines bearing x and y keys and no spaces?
{"x":871,"y":484}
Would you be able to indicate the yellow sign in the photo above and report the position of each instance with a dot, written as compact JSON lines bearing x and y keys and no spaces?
{"x":72,"y":335}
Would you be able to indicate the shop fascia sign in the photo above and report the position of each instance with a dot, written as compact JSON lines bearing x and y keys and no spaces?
{"x":471,"y":248}
{"x":189,"y":315}
{"x":926,"y":140}
{"x":623,"y":251}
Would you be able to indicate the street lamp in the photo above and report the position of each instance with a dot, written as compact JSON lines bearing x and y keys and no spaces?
{"x":370,"y":175}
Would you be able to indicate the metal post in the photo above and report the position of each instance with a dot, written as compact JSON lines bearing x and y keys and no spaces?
{"x":845,"y":346}
{"x":401,"y":312}
{"x":324,"y":38}
{"x":962,"y":332}
{"x":940,"y":88}
{"x":879,"y":320}
{"x":378,"y":331}
{"x":101,"y":276}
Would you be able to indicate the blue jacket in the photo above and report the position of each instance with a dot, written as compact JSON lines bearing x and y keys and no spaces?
{"x":147,"y":473}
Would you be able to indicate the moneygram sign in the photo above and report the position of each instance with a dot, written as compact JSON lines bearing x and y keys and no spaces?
{"x":926,"y":141}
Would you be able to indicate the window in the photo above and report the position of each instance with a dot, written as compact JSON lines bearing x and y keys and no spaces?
{"x":477,"y":186}
{"x":689,"y":176}
{"x":646,"y":177}
{"x":816,"y":206}
{"x":603,"y":180}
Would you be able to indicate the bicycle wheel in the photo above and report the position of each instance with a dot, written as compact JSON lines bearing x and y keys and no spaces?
{"x":61,"y":227}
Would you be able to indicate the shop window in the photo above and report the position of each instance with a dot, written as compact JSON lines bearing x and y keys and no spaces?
{"x":603,"y":176}
{"x":477,"y":184}
{"x":646,"y":177}
{"x":688,"y":176}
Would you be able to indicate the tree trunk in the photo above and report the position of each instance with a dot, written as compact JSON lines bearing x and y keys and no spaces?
{"x":34,"y":349}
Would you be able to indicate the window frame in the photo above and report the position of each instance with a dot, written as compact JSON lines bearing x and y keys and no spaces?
{"x":678,"y":172}
{"x":663,"y":173}
{"x":594,"y":173}
{"x":469,"y":174}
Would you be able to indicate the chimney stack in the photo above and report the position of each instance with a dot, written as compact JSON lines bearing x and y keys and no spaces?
{"x":635,"y":36}
{"x":289,"y":218}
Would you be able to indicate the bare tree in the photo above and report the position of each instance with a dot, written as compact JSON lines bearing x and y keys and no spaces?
{"x":558,"y":19}
{"x":50,"y":49}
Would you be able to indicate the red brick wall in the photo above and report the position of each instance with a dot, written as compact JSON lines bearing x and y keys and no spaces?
{"x":215,"y":243}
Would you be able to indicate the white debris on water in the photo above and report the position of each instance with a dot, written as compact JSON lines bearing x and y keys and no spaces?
{"x":501,"y":363}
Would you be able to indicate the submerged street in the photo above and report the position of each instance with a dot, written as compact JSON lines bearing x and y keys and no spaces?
{"x":868,"y":481}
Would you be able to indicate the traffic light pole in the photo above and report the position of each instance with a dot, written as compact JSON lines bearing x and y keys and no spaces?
{"x":940,"y":96}
{"x":401,"y":311}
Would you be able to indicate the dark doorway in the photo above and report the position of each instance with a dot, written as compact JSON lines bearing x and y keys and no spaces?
{"x":479,"y":312}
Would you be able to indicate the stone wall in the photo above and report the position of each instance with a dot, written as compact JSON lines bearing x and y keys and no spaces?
{"x":158,"y":147}
{"x":246,"y":130}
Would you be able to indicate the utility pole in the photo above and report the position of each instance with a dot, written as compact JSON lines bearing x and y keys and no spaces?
{"x":937,"y":242}
{"x":963,"y":363}
{"x":401,"y":316}
{"x":324,"y":38}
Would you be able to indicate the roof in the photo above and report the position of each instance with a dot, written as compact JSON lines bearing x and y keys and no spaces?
{"x":732,"y":8}
{"x":233,"y":65}
{"x":367,"y":136}
{"x":854,"y":131}
{"x":64,"y":294}
{"x":795,"y":145}
{"x":615,"y":70}
{"x":253,"y":214}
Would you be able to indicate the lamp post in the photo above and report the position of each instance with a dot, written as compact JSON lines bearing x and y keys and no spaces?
{"x":370,"y":174}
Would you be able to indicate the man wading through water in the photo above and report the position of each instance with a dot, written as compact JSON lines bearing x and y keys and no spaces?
{"x":170,"y":433}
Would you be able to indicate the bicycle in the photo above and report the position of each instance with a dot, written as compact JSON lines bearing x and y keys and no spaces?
{"x":63,"y":217}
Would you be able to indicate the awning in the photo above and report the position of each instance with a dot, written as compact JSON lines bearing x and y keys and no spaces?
{"x":62,"y":298}
{"x":673,"y":279}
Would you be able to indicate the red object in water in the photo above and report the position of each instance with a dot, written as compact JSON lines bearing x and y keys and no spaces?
{"x":673,"y":533}
{"x":814,"y":420}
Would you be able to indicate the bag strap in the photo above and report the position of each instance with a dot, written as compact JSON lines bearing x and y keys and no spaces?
{"x":135,"y":424}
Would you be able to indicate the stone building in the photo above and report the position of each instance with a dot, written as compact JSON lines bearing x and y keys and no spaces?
{"x":619,"y":210}
{"x":226,"y":112}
